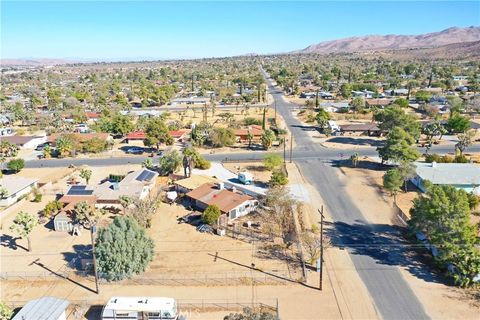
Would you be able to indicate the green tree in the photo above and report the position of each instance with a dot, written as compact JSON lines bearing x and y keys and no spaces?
{"x":322,"y":118}
{"x":272,"y":161}
{"x":398,"y":147}
{"x":358,"y":104}
{"x":169,"y":163}
{"x":85,"y":214}
{"x":123,"y":249}
{"x":402,"y":102}
{"x":16,"y":164}
{"x":431,"y":130}
{"x":147,"y":163}
{"x":278,"y":178}
{"x":392,"y":181}
{"x":423,"y":96}
{"x":23,"y":225}
{"x":267,"y":138}
{"x":121,"y":125}
{"x":211,"y":214}
{"x":86,"y":174}
{"x":64,"y":145}
{"x":394,"y":116}
{"x":407,"y":171}
{"x":125,"y":202}
{"x":464,"y":141}
{"x":346,"y":90}
{"x":443,"y":214}
{"x":157,"y":133}
{"x":222,"y":137}
{"x":458,"y":124}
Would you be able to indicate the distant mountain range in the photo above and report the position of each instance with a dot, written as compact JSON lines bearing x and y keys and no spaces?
{"x":395,"y":42}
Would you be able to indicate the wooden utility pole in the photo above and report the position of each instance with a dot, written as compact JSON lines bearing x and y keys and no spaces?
{"x":284,"y":151}
{"x":93,"y":230}
{"x":321,"y":248}
{"x":291,"y":147}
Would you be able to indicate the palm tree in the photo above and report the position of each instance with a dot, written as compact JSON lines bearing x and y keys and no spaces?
{"x":64,"y":145}
{"x":250,"y":138}
{"x":267,"y":139}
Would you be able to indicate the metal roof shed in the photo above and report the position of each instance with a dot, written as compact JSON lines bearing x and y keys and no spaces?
{"x":62,"y":222}
{"x":46,"y":308}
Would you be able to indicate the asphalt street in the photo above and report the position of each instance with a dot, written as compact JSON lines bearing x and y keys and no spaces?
{"x":375,"y":250}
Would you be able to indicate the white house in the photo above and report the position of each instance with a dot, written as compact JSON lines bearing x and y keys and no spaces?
{"x":231,"y":203}
{"x":45,"y":308}
{"x":27,"y":142}
{"x":464,"y":176}
{"x":15,"y":187}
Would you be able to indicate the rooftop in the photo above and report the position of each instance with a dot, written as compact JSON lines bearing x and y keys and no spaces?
{"x":45,"y":308}
{"x":14,"y":183}
{"x":449,"y":173}
{"x":211,"y":194}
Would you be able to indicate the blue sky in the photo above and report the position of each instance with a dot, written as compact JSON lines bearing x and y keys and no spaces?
{"x":121,"y":29}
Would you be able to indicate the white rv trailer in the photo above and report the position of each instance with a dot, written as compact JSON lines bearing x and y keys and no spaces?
{"x":140,"y":308}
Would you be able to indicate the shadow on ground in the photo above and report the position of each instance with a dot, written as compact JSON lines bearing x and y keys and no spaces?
{"x":387,"y":245}
{"x":357,"y":141}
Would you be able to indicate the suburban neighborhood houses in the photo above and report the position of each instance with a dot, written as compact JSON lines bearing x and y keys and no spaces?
{"x":242,"y":177}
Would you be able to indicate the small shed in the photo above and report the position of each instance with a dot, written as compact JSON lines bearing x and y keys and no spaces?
{"x":62,"y":222}
{"x":45,"y":308}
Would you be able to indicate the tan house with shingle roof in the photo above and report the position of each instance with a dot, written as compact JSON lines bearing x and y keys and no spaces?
{"x":232,"y":204}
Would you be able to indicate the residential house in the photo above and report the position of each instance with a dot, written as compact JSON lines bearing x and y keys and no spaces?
{"x":242,"y":134}
{"x":92,"y":116}
{"x":15,"y":187}
{"x":368,"y":129}
{"x":45,"y":308}
{"x":231,"y":203}
{"x":179,"y":135}
{"x":464,"y":176}
{"x":135,"y":136}
{"x":335,"y":106}
{"x":26,"y":142}
{"x":74,"y":195}
{"x":136,"y":185}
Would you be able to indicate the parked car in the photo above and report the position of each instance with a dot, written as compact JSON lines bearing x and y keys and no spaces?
{"x":42,"y":146}
{"x":135,"y":150}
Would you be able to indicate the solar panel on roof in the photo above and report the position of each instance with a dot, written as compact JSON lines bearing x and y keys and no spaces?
{"x":145,"y":176}
{"x":79,"y":191}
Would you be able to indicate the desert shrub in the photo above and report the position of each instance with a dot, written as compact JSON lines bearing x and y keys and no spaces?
{"x":211,"y":214}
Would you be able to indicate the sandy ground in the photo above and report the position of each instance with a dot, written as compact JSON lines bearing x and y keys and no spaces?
{"x":259,"y":172}
{"x":440,"y":301}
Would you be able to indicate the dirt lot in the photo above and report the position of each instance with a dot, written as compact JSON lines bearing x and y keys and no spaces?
{"x":259,"y":172}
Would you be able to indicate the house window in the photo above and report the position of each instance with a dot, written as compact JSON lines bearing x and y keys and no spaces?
{"x":233,"y":214}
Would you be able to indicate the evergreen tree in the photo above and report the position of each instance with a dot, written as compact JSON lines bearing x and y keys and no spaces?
{"x":123,"y":249}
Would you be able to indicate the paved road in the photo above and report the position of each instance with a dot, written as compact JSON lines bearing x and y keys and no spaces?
{"x":301,"y":152}
{"x":373,"y":248}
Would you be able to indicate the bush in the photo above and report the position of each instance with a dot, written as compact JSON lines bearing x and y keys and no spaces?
{"x":252,"y":121}
{"x":461,"y":159}
{"x":16,"y":165}
{"x":203,"y":164}
{"x":37,"y":197}
{"x":272,"y":161}
{"x":94,"y":145}
{"x":445,"y":159}
{"x":222,"y":137}
{"x":279,"y":178}
{"x":211,"y":214}
{"x":52,"y":207}
{"x":5,"y":312}
{"x":123,"y":249}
